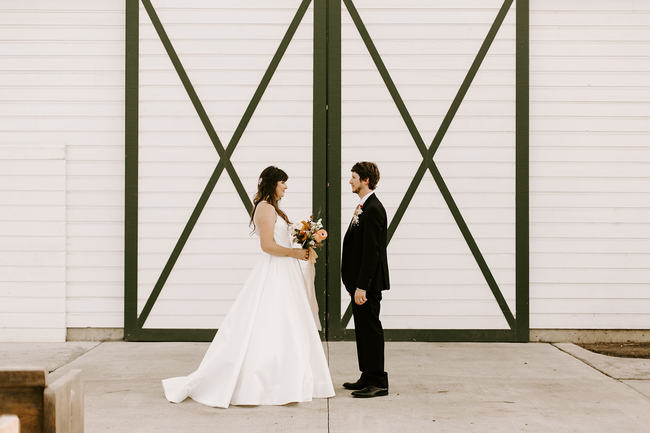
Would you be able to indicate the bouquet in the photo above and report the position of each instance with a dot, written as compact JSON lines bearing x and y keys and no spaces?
{"x":309,"y":234}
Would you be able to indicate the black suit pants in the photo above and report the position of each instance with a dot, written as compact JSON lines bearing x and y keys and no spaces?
{"x":370,"y":339}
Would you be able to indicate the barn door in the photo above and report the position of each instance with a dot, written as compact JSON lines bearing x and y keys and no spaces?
{"x":215,"y":92}
{"x":436,"y":93}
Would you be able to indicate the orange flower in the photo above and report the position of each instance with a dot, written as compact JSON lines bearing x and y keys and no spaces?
{"x":320,"y":235}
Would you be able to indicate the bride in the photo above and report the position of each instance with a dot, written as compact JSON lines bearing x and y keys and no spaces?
{"x":267,"y":350}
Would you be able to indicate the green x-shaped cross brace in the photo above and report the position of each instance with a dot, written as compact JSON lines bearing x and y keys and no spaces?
{"x":224,"y":154}
{"x":428,"y":153}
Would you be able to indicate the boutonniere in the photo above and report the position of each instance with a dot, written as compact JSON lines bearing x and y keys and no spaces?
{"x":358,"y":211}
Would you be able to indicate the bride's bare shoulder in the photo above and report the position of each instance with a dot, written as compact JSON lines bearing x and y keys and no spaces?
{"x":265,"y":206}
{"x":265,"y":211}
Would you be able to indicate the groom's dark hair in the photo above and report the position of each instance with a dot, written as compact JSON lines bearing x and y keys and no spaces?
{"x":367,"y":170}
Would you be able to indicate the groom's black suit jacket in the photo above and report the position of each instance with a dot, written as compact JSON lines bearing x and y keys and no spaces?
{"x":364,"y":264}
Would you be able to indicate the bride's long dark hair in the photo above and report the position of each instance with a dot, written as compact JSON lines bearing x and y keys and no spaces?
{"x":266,"y":185}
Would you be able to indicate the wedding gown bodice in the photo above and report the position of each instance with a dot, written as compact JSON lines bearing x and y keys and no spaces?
{"x":281,"y":233}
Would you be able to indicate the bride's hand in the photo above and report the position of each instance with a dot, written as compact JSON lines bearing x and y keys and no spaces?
{"x":300,"y":254}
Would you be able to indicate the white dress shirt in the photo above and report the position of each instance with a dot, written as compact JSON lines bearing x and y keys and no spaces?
{"x":365,"y":197}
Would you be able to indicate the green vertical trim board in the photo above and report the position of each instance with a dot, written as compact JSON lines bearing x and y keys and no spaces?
{"x":131,"y":116}
{"x":319,"y":149}
{"x":522,"y":247}
{"x":334,"y":329}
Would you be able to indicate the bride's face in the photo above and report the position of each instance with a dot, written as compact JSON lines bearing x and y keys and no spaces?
{"x":280,"y":188}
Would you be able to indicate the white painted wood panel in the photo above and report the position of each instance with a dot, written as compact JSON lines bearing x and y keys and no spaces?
{"x":32,"y":243}
{"x":590,"y":164}
{"x":62,"y":85}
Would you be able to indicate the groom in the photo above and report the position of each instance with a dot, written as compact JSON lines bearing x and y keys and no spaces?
{"x":364,"y":271}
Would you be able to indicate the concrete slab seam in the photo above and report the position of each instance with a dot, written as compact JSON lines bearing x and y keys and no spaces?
{"x":78,"y":357}
{"x":600,"y":371}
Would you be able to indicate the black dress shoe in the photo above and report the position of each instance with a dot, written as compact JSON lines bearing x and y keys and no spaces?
{"x":370,"y":391}
{"x":358,"y":385}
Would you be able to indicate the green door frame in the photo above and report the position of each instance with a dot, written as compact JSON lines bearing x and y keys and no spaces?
{"x":326,"y":177}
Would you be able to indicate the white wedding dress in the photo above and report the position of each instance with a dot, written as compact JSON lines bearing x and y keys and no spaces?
{"x":267,"y":350}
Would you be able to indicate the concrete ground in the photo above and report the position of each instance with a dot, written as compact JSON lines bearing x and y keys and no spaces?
{"x":434,"y":387}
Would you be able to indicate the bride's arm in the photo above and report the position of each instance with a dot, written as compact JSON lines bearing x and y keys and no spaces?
{"x":265,"y":216}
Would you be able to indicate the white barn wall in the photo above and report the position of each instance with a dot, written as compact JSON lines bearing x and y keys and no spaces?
{"x":590,"y":160}
{"x":62,"y":96}
{"x":62,"y":87}
{"x":590,"y":164}
{"x":32,"y":246}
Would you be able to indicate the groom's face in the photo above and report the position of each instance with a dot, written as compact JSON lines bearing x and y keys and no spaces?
{"x":356,"y":183}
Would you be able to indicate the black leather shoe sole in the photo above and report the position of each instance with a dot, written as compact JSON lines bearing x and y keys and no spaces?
{"x":355,"y":386}
{"x":370,"y":391}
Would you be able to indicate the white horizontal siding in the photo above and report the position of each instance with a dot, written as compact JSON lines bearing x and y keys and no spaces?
{"x":590,"y":238}
{"x":63,"y":78}
{"x":32,"y":243}
{"x":62,"y":165}
{"x":63,"y":85}
{"x":590,"y":164}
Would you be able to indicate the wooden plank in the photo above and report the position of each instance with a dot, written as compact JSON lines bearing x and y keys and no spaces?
{"x":41,"y":17}
{"x":49,"y":304}
{"x":33,"y":273}
{"x":30,"y":289}
{"x":459,"y":321}
{"x":103,"y":33}
{"x":21,"y":394}
{"x":27,"y":403}
{"x":20,"y":377}
{"x":41,"y":153}
{"x":101,"y":6}
{"x":38,"y":244}
{"x":28,"y":229}
{"x":591,"y":306}
{"x":63,"y":405}
{"x":612,"y":320}
{"x":31,"y":183}
{"x":26,"y":198}
{"x":32,"y":258}
{"x":55,"y":321}
{"x":32,"y":167}
{"x":60,"y":48}
{"x":22,"y":335}
{"x":95,"y":319}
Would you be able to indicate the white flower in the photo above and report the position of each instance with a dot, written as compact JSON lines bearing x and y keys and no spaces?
{"x":355,"y":217}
